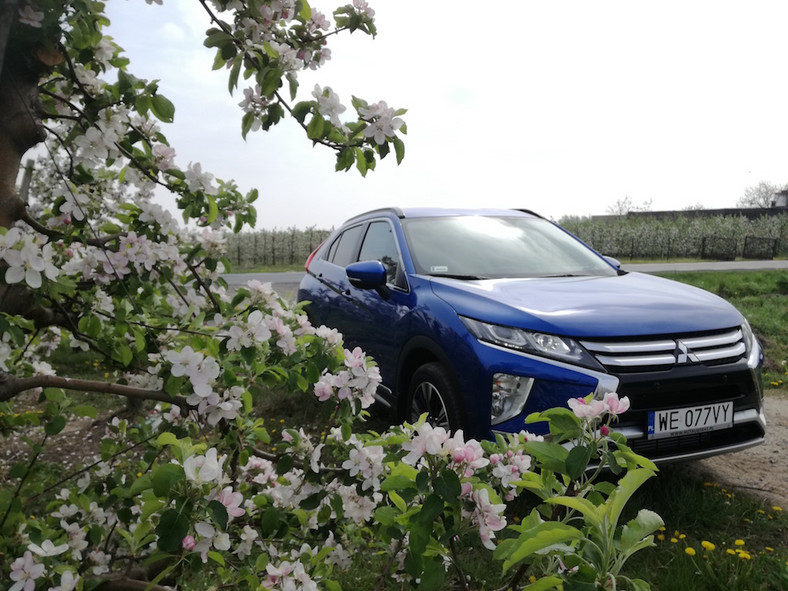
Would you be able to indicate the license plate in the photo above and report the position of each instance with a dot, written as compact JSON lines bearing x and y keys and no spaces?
{"x":692,"y":419}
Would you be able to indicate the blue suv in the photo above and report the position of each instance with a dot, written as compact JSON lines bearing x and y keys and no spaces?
{"x":481,"y":317}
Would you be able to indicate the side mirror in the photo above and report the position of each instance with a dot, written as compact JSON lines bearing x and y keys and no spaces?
{"x":367,"y":274}
{"x":615,"y":263}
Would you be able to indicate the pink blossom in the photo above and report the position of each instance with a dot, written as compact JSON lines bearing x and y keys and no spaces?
{"x":604,"y":430}
{"x":24,"y":572}
{"x":188,"y":543}
{"x":232,"y":501}
{"x":488,"y":516}
{"x":614,"y":404}
{"x":429,"y":440}
{"x":584,"y":409}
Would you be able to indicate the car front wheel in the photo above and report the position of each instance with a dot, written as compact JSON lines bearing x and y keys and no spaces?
{"x":432,"y":391}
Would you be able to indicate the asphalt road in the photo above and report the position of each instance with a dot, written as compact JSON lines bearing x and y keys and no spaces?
{"x":287,"y":283}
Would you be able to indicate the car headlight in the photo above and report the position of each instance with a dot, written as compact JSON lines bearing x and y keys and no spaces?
{"x":538,"y":343}
{"x":753,"y":348}
{"x":509,"y":395}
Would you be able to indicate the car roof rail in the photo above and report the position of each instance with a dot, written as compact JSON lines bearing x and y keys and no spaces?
{"x":395,"y":210}
{"x":528,"y":211}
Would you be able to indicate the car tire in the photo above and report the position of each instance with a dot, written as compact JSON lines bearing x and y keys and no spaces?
{"x":432,"y":390}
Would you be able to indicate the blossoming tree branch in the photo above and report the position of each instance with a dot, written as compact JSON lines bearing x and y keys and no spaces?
{"x":190,"y":489}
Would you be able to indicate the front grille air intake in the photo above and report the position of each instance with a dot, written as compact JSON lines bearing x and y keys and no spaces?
{"x":666,"y":352}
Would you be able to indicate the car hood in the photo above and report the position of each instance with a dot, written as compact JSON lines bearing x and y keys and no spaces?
{"x":625,"y":305}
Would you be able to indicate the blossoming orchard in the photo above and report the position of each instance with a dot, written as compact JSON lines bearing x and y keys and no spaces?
{"x":191,"y":489}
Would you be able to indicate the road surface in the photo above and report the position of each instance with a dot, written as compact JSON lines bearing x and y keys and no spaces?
{"x":287,"y":283}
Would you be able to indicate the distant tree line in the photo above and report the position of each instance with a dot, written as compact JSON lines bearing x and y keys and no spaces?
{"x":273,"y":247}
{"x":684,"y":235}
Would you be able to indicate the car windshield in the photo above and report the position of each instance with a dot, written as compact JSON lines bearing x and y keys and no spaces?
{"x":489,"y":247}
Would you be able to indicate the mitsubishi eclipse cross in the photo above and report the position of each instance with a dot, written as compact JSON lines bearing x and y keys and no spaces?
{"x":481,"y":317}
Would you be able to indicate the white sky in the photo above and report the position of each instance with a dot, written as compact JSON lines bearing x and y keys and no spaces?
{"x":563,"y":107}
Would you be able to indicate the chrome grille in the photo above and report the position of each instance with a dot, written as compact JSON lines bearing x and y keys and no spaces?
{"x":665,"y":352}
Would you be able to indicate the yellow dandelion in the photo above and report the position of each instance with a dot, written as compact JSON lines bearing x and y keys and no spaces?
{"x":746,"y":520}
{"x":745,"y":556}
{"x":731,"y":552}
{"x":661,"y":537}
{"x":282,"y":421}
{"x":690,"y":550}
{"x":769,"y":549}
{"x":674,"y":540}
{"x":739,"y":542}
{"x":761,"y":512}
{"x":139,"y":474}
{"x":777,"y":508}
{"x":661,"y":528}
{"x":532,"y":579}
{"x":708,"y":546}
{"x":682,"y":536}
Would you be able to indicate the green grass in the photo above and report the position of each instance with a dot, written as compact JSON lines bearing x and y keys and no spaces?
{"x":762,"y":296}
{"x":695,"y":511}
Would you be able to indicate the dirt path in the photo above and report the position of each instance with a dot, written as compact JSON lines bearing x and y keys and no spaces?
{"x":761,"y":470}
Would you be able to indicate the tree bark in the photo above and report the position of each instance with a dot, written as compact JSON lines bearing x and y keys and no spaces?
{"x":10,"y":386}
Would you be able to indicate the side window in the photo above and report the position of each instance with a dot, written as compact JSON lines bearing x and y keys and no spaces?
{"x":380,"y":245}
{"x":343,"y":250}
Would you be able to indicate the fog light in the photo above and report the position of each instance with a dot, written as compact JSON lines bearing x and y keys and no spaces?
{"x":509,"y":395}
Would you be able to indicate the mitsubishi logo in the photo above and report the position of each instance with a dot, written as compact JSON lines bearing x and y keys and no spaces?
{"x":684,"y":355}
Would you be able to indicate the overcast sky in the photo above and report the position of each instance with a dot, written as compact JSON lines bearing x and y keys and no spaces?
{"x":563,"y":107}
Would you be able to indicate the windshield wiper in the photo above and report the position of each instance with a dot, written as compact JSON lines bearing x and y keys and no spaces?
{"x":457,"y":276}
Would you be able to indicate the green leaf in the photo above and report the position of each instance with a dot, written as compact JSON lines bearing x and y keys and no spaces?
{"x":434,"y":575}
{"x":577,"y":461}
{"x":217,"y":38}
{"x":162,"y":108}
{"x":269,"y":522}
{"x":84,"y":410}
{"x":627,"y":486}
{"x":301,"y":110}
{"x":306,"y":10}
{"x":232,"y":81}
{"x":432,"y":507}
{"x":216,"y":557}
{"x":213,"y":210}
{"x":539,"y":538}
{"x":448,"y":486}
{"x":398,"y":501}
{"x":551,"y":455}
{"x":172,"y":528}
{"x":167,"y":438}
{"x":285,"y":464}
{"x":645,"y":523}
{"x":397,"y":482}
{"x":126,"y":354}
{"x":399,"y":148}
{"x":361,"y":162}
{"x":545,"y":583}
{"x":590,"y":511}
{"x":166,"y":476}
{"x":386,"y":515}
{"x":314,"y":130}
{"x":219,"y":513}
{"x":345,"y":159}
{"x":140,"y":484}
{"x":55,"y":425}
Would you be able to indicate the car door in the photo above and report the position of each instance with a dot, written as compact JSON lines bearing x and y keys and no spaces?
{"x":374,"y":319}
